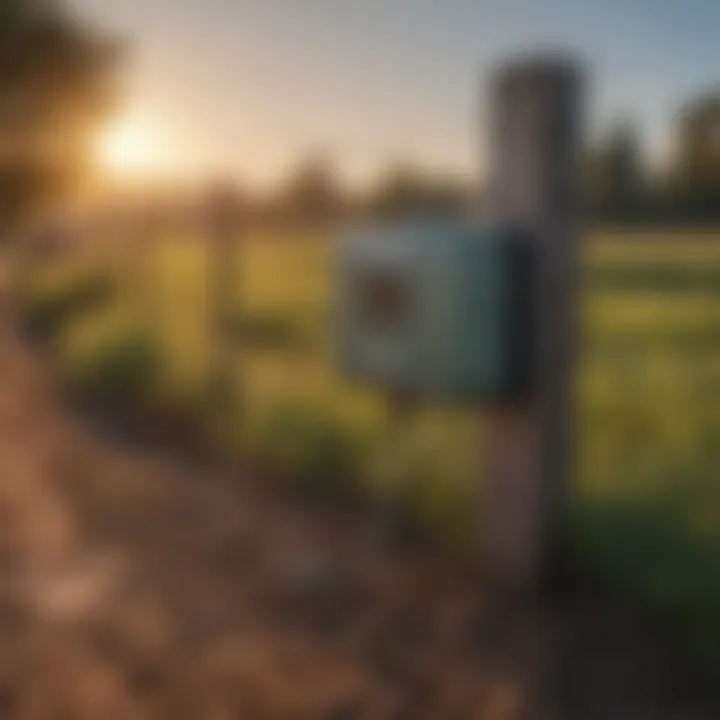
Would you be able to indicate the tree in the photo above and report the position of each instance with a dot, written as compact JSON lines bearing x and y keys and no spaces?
{"x":696,"y":175}
{"x":403,"y":190}
{"x":313,"y":191}
{"x":56,"y":83}
{"x":615,"y":176}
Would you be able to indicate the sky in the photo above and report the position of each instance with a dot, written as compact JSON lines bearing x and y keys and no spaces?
{"x":250,"y":87}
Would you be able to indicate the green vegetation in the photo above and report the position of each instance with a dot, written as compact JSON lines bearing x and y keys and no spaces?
{"x":121,"y":372}
{"x":51,"y":302}
{"x":646,"y":508}
{"x":313,"y":452}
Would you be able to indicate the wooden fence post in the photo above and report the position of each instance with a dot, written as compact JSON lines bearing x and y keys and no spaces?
{"x":535,"y":138}
{"x":223,"y":242}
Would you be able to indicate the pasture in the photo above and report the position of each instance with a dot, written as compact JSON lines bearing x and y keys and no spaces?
{"x":645,"y":505}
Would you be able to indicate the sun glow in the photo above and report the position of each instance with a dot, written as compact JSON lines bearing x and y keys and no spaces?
{"x":129,"y":146}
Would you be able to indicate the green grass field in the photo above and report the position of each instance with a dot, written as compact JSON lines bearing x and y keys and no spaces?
{"x":646,"y":497}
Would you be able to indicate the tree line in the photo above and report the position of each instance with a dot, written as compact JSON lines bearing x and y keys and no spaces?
{"x":620,"y":185}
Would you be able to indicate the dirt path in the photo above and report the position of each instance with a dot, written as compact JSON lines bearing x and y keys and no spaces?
{"x":137,"y":586}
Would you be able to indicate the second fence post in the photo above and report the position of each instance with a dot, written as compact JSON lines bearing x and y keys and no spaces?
{"x":535,"y":136}
{"x":223,"y":267}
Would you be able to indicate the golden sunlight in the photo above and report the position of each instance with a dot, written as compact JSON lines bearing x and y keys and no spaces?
{"x":129,"y":146}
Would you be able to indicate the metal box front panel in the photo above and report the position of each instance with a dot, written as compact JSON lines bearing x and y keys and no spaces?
{"x":435,"y":310}
{"x":387,"y":317}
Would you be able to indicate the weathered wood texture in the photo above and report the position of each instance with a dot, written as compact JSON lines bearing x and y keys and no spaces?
{"x":536,"y":110}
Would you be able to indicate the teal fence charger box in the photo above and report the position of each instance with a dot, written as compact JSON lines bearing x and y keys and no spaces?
{"x":440,"y":309}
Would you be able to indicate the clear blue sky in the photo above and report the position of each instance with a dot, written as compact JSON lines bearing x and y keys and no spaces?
{"x":248,"y":86}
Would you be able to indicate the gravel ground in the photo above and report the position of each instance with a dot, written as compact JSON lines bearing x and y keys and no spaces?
{"x":137,"y":583}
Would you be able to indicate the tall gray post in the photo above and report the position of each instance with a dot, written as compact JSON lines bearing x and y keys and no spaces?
{"x":535,"y":138}
{"x":224,"y":231}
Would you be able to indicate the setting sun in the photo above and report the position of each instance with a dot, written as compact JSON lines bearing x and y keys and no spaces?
{"x":128,"y":146}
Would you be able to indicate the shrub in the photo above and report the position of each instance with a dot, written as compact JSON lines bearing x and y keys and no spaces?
{"x":411,"y":477}
{"x":120,"y":373}
{"x":313,"y":450}
{"x":46,"y":312}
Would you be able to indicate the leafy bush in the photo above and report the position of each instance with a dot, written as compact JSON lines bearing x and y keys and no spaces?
{"x":46,"y":311}
{"x":318,"y":454}
{"x":312,"y":449}
{"x":413,"y":476}
{"x":644,"y":549}
{"x":120,"y":373}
